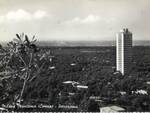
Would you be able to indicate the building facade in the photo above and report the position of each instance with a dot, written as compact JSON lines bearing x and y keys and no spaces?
{"x":124,"y":51}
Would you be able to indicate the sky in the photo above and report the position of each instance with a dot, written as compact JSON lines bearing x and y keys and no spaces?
{"x":74,"y":20}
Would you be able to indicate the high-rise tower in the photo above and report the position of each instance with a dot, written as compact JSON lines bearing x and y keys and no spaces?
{"x":124,"y":51}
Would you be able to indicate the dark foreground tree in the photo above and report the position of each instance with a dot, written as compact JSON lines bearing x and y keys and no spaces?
{"x":20,"y":61}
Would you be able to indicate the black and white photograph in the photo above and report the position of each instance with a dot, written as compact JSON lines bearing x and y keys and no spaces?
{"x":74,"y":56}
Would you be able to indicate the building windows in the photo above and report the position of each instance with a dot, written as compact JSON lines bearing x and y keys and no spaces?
{"x":123,"y":51}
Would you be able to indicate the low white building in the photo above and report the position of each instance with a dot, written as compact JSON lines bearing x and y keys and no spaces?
{"x":82,"y":87}
{"x":148,"y":82}
{"x":123,"y":92}
{"x":109,"y":109}
{"x":143,"y":92}
{"x":76,"y":84}
{"x":70,"y":82}
{"x":73,"y":64}
{"x":52,"y":67}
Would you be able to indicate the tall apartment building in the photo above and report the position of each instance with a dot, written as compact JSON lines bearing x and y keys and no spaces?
{"x":124,"y":51}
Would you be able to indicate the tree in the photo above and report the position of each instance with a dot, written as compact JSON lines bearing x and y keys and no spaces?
{"x":20,"y":61}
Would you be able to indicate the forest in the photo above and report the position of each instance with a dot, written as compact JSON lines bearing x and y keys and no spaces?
{"x":82,"y":77}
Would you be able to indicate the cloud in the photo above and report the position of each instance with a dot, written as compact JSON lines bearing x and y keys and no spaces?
{"x":89,"y":19}
{"x":40,"y":14}
{"x":22,"y":15}
{"x":18,"y":15}
{"x":92,"y":19}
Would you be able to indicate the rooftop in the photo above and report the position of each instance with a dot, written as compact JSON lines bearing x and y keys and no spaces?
{"x":111,"y":109}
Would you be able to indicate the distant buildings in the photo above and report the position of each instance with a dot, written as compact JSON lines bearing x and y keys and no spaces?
{"x":112,"y":109}
{"x":82,"y":87}
{"x":124,"y":51}
{"x":76,"y":84}
{"x":142,"y":92}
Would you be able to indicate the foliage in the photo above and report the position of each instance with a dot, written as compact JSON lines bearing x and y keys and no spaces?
{"x":19,"y":61}
{"x":26,"y":74}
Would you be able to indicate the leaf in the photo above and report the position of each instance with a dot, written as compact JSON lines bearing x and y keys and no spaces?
{"x":16,"y":40}
{"x":22,"y":35}
{"x":37,"y":73}
{"x":35,"y":40}
{"x":18,"y":36}
{"x":7,"y":77}
{"x":33,"y":37}
{"x":27,"y":39}
{"x":0,"y":46}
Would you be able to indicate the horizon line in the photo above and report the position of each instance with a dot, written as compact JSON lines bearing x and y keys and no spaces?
{"x":77,"y":40}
